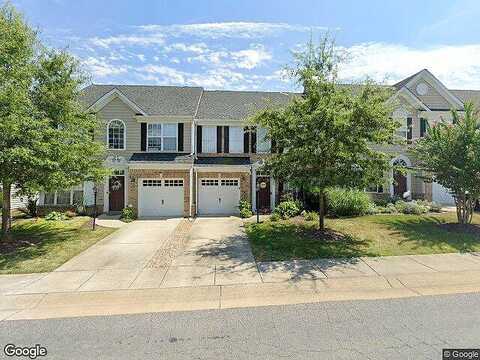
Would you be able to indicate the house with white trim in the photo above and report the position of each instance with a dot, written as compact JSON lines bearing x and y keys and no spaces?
{"x":185,"y":151}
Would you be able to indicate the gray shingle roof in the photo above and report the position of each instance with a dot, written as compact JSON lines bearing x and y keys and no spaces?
{"x":154,"y":100}
{"x":239,"y":105}
{"x":468,"y":95}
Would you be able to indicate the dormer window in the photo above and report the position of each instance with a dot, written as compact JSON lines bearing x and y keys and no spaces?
{"x":116,"y":135}
{"x":162,"y":137}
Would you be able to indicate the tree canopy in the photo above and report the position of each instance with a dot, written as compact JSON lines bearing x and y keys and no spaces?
{"x":46,"y":137}
{"x":450,"y":155}
{"x":325,"y":137}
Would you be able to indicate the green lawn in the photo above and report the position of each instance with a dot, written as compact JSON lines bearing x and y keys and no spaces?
{"x":375,"y":235}
{"x":37,"y":245}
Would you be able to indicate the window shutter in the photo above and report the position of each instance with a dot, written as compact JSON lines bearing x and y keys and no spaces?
{"x":423,"y":127}
{"x":143,"y":137}
{"x":180,"y":137}
{"x":409,"y":128}
{"x":199,"y":139}
{"x":226,"y":139}
{"x":246,"y":140}
{"x":254,"y":140}
{"x":274,"y":147}
{"x":219,"y":139}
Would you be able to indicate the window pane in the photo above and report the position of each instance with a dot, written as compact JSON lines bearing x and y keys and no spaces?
{"x":169,"y":144}
{"x":154,"y":144}
{"x":63,"y":197}
{"x":170,"y":130}
{"x":49,"y":198}
{"x":154,"y":129}
{"x":116,"y":135}
{"x":263,"y":145}
{"x":209,"y":139}
{"x":236,"y":139}
{"x":78,"y":197}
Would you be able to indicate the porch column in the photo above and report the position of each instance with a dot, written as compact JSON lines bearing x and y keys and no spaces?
{"x":254,"y":189}
{"x":273,"y":192}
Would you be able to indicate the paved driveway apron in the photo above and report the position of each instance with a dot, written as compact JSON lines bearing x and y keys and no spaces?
{"x":116,"y":262}
{"x":217,"y":253}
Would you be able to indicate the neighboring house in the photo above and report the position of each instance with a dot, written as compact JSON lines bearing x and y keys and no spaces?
{"x":17,"y":201}
{"x":185,"y":151}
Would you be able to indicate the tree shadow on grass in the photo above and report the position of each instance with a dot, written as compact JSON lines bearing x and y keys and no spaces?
{"x":32,"y":240}
{"x":434,"y":233}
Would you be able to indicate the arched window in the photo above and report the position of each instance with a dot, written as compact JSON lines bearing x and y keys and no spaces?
{"x":400,"y":162}
{"x":116,"y":135}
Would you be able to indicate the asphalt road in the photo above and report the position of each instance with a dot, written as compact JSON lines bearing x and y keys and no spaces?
{"x":415,"y":328}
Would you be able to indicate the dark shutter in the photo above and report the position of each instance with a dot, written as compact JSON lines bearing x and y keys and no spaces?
{"x":143,"y":137}
{"x":226,"y":139}
{"x":219,"y":139}
{"x":423,"y":127}
{"x":409,"y":128}
{"x":180,"y":137}
{"x":246,"y":140}
{"x":254,"y":140}
{"x":199,"y":139}
{"x":273,"y":147}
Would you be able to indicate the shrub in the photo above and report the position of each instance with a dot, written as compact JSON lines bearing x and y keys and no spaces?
{"x":348,"y":202}
{"x":310,"y":216}
{"x":55,"y":216}
{"x":411,"y":207}
{"x":32,"y":207}
{"x":245,"y":209}
{"x":288,"y":209}
{"x":128,"y":214}
{"x":435,"y":207}
{"x":275,"y":217}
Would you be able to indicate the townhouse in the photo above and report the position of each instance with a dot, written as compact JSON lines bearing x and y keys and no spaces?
{"x":186,"y":151}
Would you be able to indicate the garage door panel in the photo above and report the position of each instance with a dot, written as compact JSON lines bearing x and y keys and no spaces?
{"x":160,"y":197}
{"x":218,"y":196}
{"x":441,"y":195}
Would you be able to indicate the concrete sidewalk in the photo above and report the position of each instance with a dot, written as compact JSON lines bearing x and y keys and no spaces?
{"x":279,"y":283}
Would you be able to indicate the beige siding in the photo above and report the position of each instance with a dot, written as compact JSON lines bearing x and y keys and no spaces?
{"x":433,"y":99}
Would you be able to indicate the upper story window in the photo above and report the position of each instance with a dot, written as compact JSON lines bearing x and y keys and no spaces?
{"x":162,"y":137}
{"x":236,"y":139}
{"x":263,"y":145}
{"x":209,"y":139}
{"x":406,"y":128}
{"x":116,"y":135}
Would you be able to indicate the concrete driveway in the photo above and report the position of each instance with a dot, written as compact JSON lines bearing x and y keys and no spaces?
{"x":116,"y":262}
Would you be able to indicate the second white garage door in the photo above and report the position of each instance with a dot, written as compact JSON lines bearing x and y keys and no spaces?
{"x":218,"y":196}
{"x":160,"y":197}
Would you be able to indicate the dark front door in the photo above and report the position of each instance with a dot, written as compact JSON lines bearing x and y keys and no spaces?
{"x":400,"y":184}
{"x":116,"y":193}
{"x":263,"y":195}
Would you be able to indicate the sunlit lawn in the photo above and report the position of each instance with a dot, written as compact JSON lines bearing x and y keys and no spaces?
{"x":37,"y":245}
{"x":374,"y":235}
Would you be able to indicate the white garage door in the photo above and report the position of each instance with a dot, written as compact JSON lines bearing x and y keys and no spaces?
{"x":441,"y":195}
{"x":218,"y":196}
{"x":160,"y":197}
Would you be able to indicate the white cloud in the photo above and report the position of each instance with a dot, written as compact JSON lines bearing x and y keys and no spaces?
{"x":251,"y":58}
{"x":99,"y":67}
{"x":229,"y":29}
{"x":124,"y":40}
{"x":194,"y":48}
{"x":456,"y":66}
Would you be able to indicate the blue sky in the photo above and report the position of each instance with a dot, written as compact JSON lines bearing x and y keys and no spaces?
{"x":245,"y":44}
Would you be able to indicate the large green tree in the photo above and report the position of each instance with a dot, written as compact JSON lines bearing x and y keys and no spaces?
{"x":325,"y":137}
{"x":46,"y":138}
{"x":450,"y":155}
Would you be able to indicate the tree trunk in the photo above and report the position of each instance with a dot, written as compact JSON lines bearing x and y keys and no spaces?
{"x":465,"y":207}
{"x":6,"y":212}
{"x":321,"y":210}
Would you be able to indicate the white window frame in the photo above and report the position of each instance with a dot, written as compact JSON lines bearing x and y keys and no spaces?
{"x":124,"y":135}
{"x":235,"y":145}
{"x":377,"y":189}
{"x":209,"y":145}
{"x":55,"y":196}
{"x":162,"y":137}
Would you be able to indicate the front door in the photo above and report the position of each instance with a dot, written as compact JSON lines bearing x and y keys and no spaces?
{"x":116,"y":193}
{"x":263,"y":194}
{"x":400,"y":184}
